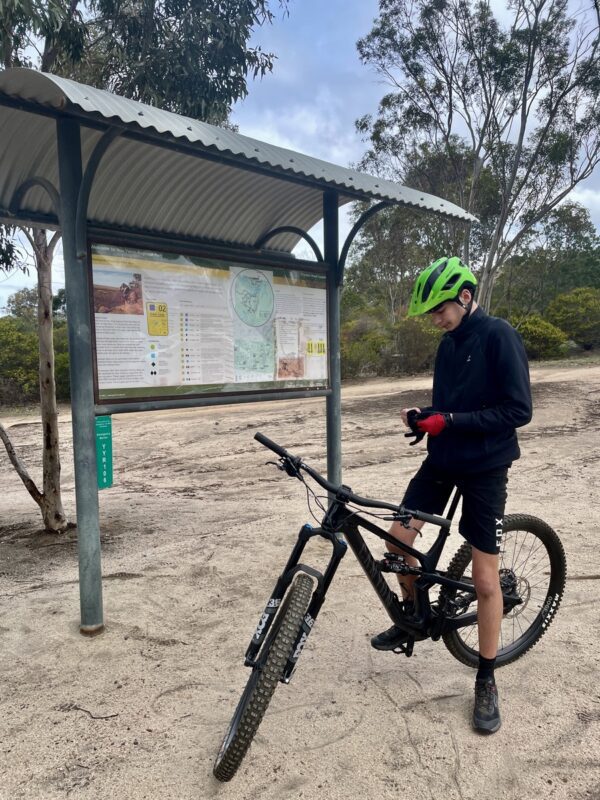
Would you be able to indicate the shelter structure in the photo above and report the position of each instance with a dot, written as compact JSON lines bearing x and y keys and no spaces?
{"x":104,"y":168}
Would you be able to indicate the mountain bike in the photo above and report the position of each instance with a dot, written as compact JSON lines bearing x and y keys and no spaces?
{"x":532,"y":578}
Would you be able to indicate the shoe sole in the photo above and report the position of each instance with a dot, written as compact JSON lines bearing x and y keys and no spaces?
{"x":390,"y":646}
{"x":483,"y":727}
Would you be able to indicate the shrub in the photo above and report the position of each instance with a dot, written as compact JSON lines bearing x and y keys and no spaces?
{"x":363,"y":342}
{"x":61,"y":376}
{"x":370,"y":347}
{"x":19,"y":369}
{"x":61,"y":361}
{"x":18,"y":362}
{"x":541,"y":338}
{"x":577,"y":313}
{"x":415,"y":342}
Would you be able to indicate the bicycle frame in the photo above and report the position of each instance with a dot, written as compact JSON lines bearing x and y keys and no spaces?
{"x":341,"y":527}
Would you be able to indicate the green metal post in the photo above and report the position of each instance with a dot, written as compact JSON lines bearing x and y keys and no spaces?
{"x":82,"y":393}
{"x":334,"y":400}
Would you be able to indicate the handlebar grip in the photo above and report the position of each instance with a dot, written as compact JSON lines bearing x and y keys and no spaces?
{"x":441,"y":522}
{"x":264,"y":440}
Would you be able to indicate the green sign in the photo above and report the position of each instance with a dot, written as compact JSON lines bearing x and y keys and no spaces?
{"x":104,"y":459}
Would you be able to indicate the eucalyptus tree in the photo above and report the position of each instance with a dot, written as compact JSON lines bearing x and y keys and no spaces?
{"x":560,"y":254}
{"x":397,"y":243}
{"x":521,"y":94}
{"x":193,"y":57}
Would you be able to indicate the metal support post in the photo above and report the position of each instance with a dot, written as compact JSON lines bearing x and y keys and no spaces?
{"x":334,"y":400}
{"x":82,"y":393}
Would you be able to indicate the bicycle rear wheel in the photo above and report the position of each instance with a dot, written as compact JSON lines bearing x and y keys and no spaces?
{"x":264,"y":678}
{"x":533,"y":565}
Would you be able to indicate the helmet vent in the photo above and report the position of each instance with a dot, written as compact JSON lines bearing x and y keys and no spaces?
{"x":432,"y":278}
{"x":451,"y":281}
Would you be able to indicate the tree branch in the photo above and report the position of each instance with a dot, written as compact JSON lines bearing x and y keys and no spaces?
{"x":31,"y":240}
{"x":19,"y":467}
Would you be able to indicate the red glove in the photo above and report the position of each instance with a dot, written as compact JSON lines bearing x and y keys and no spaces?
{"x":433,"y":425}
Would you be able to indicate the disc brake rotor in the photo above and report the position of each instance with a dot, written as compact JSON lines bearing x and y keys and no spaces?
{"x":518,"y":587}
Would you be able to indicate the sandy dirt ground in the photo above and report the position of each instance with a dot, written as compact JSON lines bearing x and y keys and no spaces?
{"x":194,"y":534}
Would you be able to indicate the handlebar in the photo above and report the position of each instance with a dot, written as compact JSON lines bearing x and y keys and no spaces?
{"x":293,"y":464}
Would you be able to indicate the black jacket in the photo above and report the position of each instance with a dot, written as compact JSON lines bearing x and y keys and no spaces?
{"x":481,"y":376}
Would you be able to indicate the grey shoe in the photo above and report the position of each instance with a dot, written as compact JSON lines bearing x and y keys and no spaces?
{"x":486,"y":714}
{"x":388,"y":640}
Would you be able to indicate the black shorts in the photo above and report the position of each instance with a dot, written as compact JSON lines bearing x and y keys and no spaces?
{"x":483,"y":501}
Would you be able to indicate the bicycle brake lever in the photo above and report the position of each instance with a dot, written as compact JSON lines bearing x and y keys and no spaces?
{"x":419,"y":435}
{"x":285,"y":465}
{"x":412,"y":417}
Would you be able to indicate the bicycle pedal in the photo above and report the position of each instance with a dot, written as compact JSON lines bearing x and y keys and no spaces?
{"x":406,"y":648}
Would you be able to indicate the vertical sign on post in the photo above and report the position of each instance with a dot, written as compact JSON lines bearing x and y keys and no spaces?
{"x":104,"y":452}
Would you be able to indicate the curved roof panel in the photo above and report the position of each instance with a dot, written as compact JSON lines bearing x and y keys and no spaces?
{"x":170,"y":174}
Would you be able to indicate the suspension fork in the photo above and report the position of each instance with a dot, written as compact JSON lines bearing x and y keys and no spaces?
{"x":292,"y":567}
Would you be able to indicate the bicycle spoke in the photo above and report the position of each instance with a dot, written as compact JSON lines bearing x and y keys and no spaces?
{"x":526,"y":557}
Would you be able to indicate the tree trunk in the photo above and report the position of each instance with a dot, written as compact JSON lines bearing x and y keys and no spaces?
{"x":484,"y":294}
{"x":51,"y":502}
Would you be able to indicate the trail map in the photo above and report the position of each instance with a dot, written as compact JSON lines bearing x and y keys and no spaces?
{"x":169,"y":325}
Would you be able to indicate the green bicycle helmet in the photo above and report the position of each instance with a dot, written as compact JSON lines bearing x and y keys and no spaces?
{"x":441,"y":281}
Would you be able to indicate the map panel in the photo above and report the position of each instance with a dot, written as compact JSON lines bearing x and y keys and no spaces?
{"x":167,"y":325}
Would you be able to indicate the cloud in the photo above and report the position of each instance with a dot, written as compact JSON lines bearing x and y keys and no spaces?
{"x":588,"y":197}
{"x":313,"y":129}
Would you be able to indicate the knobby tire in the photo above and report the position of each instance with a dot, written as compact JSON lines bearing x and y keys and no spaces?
{"x":264,"y":679}
{"x":535,"y":537}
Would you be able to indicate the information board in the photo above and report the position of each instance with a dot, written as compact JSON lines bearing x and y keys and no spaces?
{"x":168,"y":325}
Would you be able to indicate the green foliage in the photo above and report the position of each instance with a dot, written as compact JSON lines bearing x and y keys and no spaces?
{"x":23,"y":305}
{"x":363,"y":343}
{"x":61,"y":376}
{"x":541,"y":338}
{"x":59,"y":304}
{"x":352,"y":303}
{"x":18,"y":362}
{"x":188,"y":56}
{"x":560,"y":254}
{"x":61,"y":361}
{"x":19,"y":354}
{"x":59,"y":24}
{"x":393,"y":246}
{"x":370,"y":346}
{"x":416,"y":342}
{"x":8,"y":249}
{"x":577,"y":313}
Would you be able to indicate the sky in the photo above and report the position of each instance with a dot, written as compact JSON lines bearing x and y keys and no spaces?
{"x":311,"y":100}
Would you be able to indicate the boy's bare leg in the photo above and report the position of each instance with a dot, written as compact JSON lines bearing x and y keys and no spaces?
{"x":395,"y":636}
{"x":407,"y":536}
{"x":486,"y":714}
{"x":489,"y":601}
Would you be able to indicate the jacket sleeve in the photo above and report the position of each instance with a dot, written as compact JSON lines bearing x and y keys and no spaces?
{"x":510,"y":371}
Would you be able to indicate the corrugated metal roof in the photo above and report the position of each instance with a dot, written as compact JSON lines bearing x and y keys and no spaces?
{"x":161,"y":190}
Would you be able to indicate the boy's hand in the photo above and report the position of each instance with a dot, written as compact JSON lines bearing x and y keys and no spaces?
{"x":404,"y":415}
{"x":434,"y":424}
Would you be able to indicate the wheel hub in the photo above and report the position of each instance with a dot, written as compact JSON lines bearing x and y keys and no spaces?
{"x":517,"y":587}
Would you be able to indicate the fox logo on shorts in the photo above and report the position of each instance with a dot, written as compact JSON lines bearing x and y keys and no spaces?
{"x":498,"y":532}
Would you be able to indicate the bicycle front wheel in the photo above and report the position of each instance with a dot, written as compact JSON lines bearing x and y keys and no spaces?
{"x":264,"y":678}
{"x":532,"y":566}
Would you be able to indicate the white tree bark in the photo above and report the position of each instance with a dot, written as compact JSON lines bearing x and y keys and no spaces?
{"x":49,"y":499}
{"x":51,"y":506}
